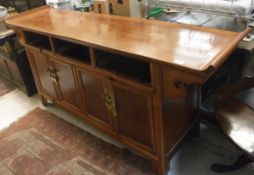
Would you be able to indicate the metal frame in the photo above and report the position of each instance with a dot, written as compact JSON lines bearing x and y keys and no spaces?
{"x":159,"y":3}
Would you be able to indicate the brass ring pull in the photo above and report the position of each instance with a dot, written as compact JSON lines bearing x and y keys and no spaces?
{"x":179,"y":84}
{"x":109,"y":101}
{"x":50,"y":69}
{"x":53,"y":77}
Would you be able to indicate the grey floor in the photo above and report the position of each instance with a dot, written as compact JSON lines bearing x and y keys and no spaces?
{"x":194,"y":157}
{"x":197,"y":154}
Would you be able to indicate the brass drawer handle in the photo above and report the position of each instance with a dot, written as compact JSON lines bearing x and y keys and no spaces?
{"x":109,"y":101}
{"x":181,"y":85}
{"x":51,"y":69}
{"x":53,"y":77}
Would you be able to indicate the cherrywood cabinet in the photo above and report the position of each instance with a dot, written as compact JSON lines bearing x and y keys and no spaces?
{"x":132,"y":79}
{"x":96,"y":94}
{"x":123,"y":108}
{"x":101,"y":88}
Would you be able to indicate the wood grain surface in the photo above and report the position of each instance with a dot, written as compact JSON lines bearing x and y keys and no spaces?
{"x":192,"y":47}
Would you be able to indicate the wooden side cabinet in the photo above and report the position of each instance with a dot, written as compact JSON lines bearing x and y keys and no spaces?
{"x":112,"y":73}
{"x":120,"y":94}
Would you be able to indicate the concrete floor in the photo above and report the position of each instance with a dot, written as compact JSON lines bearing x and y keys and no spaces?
{"x":194,"y":158}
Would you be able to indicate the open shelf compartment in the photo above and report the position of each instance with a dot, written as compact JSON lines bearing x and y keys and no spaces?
{"x":72,"y":50}
{"x":116,"y":63}
{"x":37,"y":40}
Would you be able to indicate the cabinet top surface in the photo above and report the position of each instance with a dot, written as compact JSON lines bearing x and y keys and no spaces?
{"x":192,"y":47}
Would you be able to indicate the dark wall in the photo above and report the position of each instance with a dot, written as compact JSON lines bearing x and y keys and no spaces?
{"x":22,"y":5}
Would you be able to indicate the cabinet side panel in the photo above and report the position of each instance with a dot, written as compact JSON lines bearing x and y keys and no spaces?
{"x":180,"y":106}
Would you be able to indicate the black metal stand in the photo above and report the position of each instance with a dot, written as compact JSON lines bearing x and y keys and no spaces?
{"x":242,"y":161}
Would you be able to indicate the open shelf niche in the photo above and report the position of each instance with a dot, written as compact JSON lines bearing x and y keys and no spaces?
{"x":123,"y":65}
{"x":37,"y":40}
{"x":72,"y":50}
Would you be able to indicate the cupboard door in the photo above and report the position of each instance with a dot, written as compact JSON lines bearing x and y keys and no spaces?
{"x":93,"y":87}
{"x":40,"y":66}
{"x":68,"y":93}
{"x":133,"y":114}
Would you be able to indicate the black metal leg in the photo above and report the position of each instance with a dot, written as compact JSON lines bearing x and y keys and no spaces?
{"x":196,"y":130}
{"x":243,"y":160}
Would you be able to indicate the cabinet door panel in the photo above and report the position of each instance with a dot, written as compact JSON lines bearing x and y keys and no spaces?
{"x":66,"y":83}
{"x":134,"y":114}
{"x":93,"y":88}
{"x":40,"y":66}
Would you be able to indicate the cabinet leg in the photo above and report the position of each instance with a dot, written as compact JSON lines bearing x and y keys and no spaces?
{"x":161,"y":168}
{"x":44,"y":101}
{"x":196,"y":130}
{"x":154,"y":166}
{"x":243,"y":160}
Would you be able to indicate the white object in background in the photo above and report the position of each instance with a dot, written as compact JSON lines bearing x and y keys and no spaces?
{"x":248,"y":38}
{"x":3,"y":12}
{"x":6,"y":33}
{"x":62,"y":4}
{"x":131,"y":8}
{"x":79,"y":4}
{"x":101,"y":6}
{"x":238,"y":7}
{"x":75,"y":3}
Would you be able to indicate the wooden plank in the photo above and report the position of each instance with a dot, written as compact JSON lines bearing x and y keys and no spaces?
{"x":190,"y":47}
